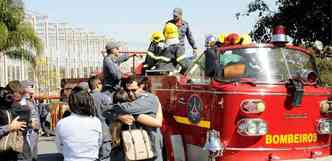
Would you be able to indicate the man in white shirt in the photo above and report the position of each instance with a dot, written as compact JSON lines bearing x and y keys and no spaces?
{"x":79,"y":136}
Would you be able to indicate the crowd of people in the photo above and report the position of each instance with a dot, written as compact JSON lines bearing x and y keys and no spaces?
{"x":99,"y":114}
{"x":101,"y":108}
{"x":21,"y":112}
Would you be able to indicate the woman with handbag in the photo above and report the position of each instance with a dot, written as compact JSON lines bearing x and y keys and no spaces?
{"x":23,"y":109}
{"x":8,"y":127}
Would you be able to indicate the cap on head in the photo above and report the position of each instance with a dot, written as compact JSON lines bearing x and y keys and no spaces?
{"x":177,"y":12}
{"x":84,"y":86}
{"x":27,"y":83}
{"x":112,"y":44}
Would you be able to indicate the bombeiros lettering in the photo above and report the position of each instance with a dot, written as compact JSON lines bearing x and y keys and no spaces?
{"x":305,"y":138}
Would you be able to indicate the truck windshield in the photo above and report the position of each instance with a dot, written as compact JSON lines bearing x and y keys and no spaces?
{"x":263,"y":65}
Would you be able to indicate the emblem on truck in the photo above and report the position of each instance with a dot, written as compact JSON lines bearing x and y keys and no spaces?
{"x":194,"y":109}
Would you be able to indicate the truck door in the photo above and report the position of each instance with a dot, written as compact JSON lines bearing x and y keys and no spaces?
{"x":193,"y":103}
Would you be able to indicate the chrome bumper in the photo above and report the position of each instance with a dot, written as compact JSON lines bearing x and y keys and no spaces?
{"x":328,"y":158}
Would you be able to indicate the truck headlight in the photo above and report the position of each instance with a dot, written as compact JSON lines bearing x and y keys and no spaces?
{"x":252,"y":127}
{"x":252,"y":106}
{"x":326,"y":106}
{"x":324,"y":126}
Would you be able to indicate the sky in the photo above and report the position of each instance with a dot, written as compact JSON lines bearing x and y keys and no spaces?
{"x":133,"y":21}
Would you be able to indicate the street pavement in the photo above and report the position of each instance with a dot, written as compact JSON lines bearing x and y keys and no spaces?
{"x":47,"y":150}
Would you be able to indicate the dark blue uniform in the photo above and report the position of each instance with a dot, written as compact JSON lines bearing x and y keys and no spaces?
{"x":112,"y":73}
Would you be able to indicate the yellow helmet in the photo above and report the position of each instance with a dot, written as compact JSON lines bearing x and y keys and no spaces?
{"x":157,"y":37}
{"x":246,"y":39}
{"x":221,"y":37}
{"x":171,"y":31}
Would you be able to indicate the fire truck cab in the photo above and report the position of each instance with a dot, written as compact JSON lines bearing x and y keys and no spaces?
{"x":265,"y":104}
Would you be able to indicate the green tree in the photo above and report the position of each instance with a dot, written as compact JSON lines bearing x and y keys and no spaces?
{"x":306,"y":21}
{"x":18,"y":39}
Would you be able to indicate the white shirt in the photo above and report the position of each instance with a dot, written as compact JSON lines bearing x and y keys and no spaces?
{"x":78,"y":137}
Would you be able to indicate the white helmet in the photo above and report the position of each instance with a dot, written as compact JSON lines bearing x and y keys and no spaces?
{"x":210,"y":40}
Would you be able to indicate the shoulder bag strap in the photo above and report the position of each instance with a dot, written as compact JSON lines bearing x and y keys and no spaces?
{"x":145,"y":142}
{"x":8,"y":117}
{"x":9,"y":122}
{"x":133,"y":141}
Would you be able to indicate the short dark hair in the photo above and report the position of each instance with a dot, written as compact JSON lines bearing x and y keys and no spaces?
{"x":6,"y":98}
{"x":120,"y":96}
{"x":143,"y":80}
{"x":92,"y":82}
{"x":81,"y":102}
{"x":109,"y":51}
{"x":130,"y":79}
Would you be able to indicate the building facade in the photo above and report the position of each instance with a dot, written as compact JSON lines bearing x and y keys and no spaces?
{"x":69,"y":52}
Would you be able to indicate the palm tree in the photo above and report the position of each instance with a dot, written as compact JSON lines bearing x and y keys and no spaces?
{"x":17,"y":37}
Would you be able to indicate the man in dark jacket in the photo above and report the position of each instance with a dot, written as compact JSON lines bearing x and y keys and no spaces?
{"x":32,"y":132}
{"x":111,"y":69}
{"x":43,"y":112}
{"x":102,"y":103}
{"x":184,"y":29}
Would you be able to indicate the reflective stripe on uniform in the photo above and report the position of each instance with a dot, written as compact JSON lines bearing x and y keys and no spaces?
{"x":180,"y":58}
{"x":193,"y":69}
{"x":158,"y":57}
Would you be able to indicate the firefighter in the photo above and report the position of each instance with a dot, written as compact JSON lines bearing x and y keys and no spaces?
{"x":156,"y":47}
{"x":111,"y":70}
{"x":174,"y":59}
{"x":211,"y":56}
{"x":184,"y":29}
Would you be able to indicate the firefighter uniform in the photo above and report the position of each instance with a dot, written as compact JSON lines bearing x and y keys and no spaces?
{"x":211,"y":62}
{"x":156,"y":47}
{"x":174,"y":53}
{"x":211,"y":56}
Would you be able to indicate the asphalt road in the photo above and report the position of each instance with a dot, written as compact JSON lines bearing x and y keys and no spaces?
{"x":47,"y":150}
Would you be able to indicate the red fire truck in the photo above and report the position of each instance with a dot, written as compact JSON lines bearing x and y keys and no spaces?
{"x":269,"y":107}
